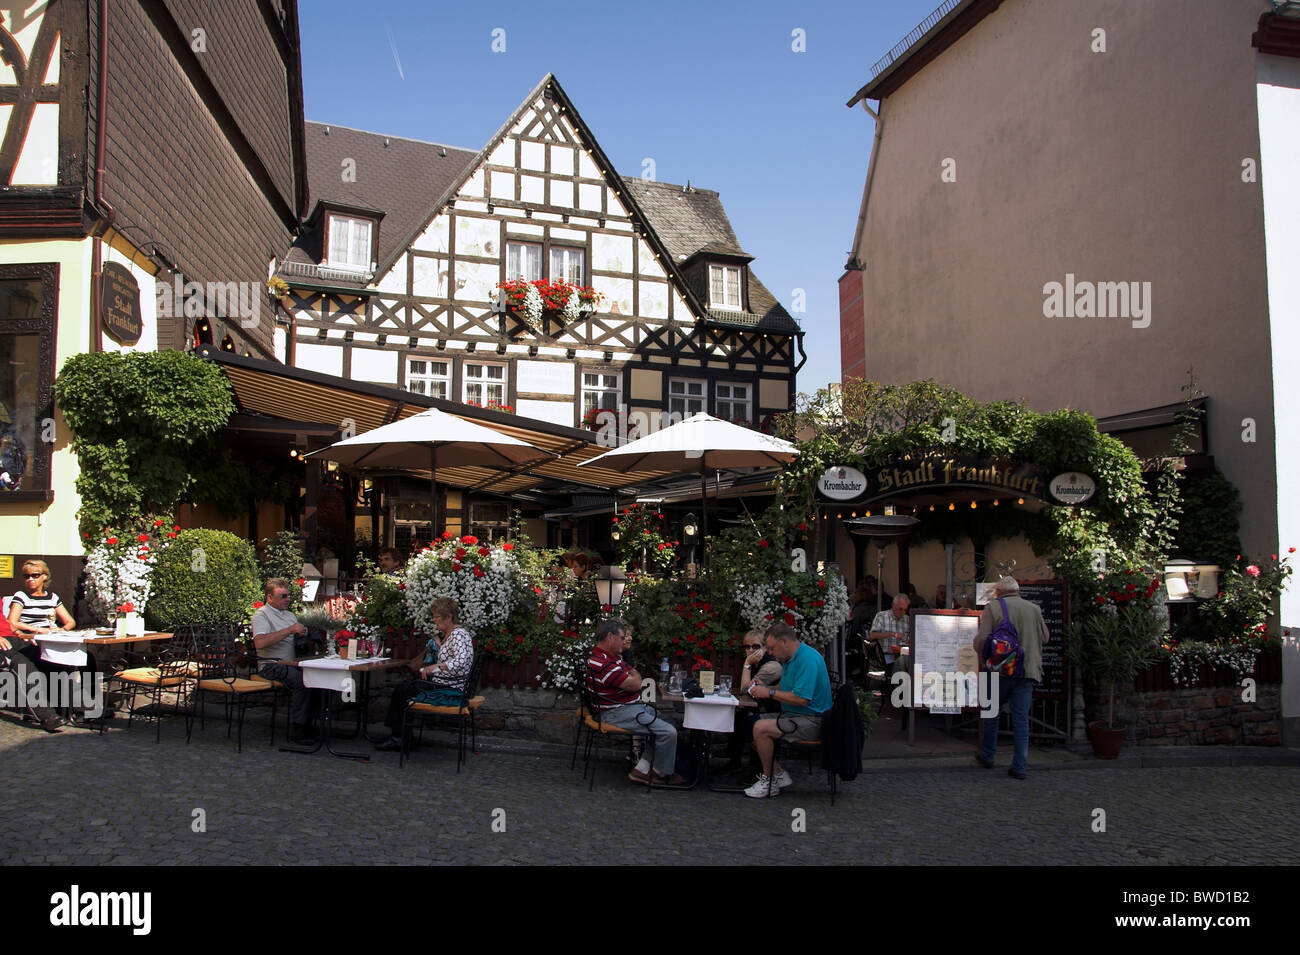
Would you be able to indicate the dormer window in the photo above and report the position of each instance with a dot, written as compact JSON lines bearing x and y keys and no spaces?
{"x":349,"y":243}
{"x":724,"y":287}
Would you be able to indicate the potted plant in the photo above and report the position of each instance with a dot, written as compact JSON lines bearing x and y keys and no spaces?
{"x":1115,"y":643}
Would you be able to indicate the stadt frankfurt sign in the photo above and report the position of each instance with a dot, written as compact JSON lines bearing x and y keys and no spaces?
{"x":842,"y":483}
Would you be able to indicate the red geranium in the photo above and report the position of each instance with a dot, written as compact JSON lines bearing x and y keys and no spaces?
{"x":789,"y":618}
{"x":257,"y":605}
{"x":507,"y":546}
{"x":483,"y":551}
{"x":461,"y":553}
{"x":478,"y":572}
{"x":142,"y":538}
{"x":158,"y":523}
{"x":111,"y":542}
{"x":469,"y":540}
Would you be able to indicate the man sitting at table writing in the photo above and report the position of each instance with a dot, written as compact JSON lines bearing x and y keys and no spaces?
{"x":616,"y":692}
{"x":804,"y":695}
{"x":274,"y":627}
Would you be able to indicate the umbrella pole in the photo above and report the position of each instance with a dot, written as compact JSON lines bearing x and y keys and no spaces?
{"x":433,"y":492}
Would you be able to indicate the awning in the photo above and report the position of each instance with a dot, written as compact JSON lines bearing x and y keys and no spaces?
{"x":309,"y":402}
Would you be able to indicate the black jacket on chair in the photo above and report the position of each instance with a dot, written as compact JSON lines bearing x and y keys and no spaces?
{"x":843,"y":735}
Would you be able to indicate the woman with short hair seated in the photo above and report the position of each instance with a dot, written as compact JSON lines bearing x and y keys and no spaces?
{"x":442,"y":671}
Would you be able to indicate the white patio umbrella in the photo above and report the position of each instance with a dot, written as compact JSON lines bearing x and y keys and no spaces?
{"x":700,"y":443}
{"x":431,"y":439}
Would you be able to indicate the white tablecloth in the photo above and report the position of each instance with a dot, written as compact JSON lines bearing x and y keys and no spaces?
{"x":715,"y":713}
{"x":67,"y":648}
{"x":332,"y":673}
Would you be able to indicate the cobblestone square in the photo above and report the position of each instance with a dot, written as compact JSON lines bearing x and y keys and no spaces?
{"x":119,"y":799}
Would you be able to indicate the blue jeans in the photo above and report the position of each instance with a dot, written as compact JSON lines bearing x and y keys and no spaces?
{"x":1019,"y":690}
{"x":640,"y":717}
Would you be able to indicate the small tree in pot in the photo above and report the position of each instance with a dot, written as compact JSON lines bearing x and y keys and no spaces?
{"x":1117,"y":641}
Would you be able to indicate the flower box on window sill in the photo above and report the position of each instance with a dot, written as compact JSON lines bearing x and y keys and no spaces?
{"x":530,"y":301}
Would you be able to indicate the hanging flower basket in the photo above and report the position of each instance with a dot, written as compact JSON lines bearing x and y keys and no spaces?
{"x":565,"y":303}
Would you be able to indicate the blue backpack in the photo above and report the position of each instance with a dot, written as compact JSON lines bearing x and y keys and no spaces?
{"x":1002,"y":650}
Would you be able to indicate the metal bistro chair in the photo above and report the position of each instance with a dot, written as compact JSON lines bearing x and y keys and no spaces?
{"x":463,"y":712}
{"x":172,"y":672}
{"x":589,"y":716}
{"x":279,"y":689}
{"x":805,"y":750}
{"x":218,"y":673}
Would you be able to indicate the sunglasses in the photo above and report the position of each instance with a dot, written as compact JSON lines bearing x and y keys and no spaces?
{"x":32,"y":576}
{"x":753,"y":646}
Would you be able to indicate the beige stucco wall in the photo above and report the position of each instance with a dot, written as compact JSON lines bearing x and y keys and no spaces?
{"x":1117,"y":166}
{"x":39,"y":527}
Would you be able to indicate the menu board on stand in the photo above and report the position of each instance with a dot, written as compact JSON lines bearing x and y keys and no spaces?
{"x":941,"y":653}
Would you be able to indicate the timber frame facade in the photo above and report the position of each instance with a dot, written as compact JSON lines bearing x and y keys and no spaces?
{"x":397,"y":288}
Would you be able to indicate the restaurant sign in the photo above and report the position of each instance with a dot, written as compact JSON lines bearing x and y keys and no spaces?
{"x":931,"y":474}
{"x":1073,"y":487}
{"x":120,"y":304}
{"x":842,"y":483}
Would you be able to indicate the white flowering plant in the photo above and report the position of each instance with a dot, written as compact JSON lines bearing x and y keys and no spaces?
{"x":815,"y":604}
{"x":566,"y":659}
{"x":119,"y":568}
{"x":481,"y":577}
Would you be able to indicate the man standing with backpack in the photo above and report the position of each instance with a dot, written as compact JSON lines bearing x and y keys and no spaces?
{"x":1016,"y":655}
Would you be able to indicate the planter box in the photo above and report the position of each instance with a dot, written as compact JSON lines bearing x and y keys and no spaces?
{"x":1268,"y":669}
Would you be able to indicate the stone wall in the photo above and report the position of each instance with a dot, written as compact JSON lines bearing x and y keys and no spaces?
{"x":1205,"y":715}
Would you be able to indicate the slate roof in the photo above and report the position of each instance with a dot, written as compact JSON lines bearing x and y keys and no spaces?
{"x":400,"y":177}
{"x":689,"y":221}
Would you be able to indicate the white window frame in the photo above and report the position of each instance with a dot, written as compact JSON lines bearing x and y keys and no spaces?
{"x":359,"y":249}
{"x":599,"y":391}
{"x":482,"y":380}
{"x":520,"y":273}
{"x":728,"y":288}
{"x":731,"y":401}
{"x":681,"y":399}
{"x":568,"y":255}
{"x":429,"y":378}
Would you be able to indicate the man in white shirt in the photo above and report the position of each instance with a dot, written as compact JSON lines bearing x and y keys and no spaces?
{"x":274,"y":627}
{"x":890,"y":627}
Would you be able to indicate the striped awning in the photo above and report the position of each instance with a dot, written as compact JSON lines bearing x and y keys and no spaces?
{"x":325,"y":406}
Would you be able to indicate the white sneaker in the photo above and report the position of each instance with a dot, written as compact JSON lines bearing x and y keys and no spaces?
{"x":762,"y":788}
{"x":783,"y":780}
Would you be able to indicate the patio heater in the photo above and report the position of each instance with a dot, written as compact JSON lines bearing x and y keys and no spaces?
{"x":610,"y":583}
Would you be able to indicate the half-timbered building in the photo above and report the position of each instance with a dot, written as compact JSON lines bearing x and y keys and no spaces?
{"x":396,"y":276}
{"x":151,"y":171}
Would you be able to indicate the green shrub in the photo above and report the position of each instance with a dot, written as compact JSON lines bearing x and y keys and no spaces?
{"x":205,"y":576}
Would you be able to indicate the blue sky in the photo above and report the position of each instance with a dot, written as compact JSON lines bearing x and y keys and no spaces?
{"x":713,"y":93}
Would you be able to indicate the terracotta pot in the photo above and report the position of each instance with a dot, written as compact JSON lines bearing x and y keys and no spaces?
{"x":1106,"y":739}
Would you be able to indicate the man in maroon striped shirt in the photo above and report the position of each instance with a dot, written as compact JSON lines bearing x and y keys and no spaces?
{"x":616,"y":692}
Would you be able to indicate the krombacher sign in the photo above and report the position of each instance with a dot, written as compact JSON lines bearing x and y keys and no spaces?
{"x":120,"y":309}
{"x":941,"y":474}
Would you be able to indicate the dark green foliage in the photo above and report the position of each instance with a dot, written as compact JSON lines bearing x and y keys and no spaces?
{"x":205,"y":576}
{"x":1210,"y":521}
{"x":139,"y":420}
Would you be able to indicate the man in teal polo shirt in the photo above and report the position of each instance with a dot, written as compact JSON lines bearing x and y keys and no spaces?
{"x":804,"y":695}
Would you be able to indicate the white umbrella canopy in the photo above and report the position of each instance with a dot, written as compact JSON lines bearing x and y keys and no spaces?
{"x":428,"y":440}
{"x":698,"y":444}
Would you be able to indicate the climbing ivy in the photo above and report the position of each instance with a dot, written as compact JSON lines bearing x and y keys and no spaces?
{"x":139,"y":422}
{"x":865,"y":424}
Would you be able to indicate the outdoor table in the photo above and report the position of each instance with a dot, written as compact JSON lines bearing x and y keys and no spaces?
{"x":709,"y":714}
{"x":338,"y":675}
{"x":67,"y":648}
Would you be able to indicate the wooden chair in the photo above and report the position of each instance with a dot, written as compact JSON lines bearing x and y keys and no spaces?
{"x":590,"y":717}
{"x":218,"y":674}
{"x":462,"y":712}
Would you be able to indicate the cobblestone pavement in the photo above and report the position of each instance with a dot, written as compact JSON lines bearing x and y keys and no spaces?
{"x":121,"y":799}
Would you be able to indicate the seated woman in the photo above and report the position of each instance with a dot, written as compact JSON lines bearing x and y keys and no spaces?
{"x":443,"y":670}
{"x":22,"y":656}
{"x":39,"y":610}
{"x":760,"y":667}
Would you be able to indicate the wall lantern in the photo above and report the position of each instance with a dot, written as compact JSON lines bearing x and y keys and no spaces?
{"x":610,"y":582}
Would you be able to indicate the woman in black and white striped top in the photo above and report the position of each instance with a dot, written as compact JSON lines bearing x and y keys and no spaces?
{"x":38,"y":610}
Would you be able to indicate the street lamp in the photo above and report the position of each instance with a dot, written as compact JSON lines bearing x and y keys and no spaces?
{"x":690,"y":529}
{"x":610,"y":583}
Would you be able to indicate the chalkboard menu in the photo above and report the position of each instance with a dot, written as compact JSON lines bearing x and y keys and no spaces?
{"x":1050,"y":595}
